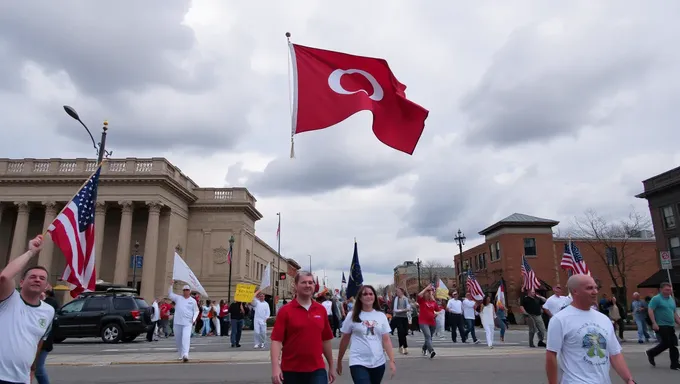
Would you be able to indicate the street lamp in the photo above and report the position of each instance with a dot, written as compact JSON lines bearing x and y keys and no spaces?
{"x":278,"y":268}
{"x":101,"y":149}
{"x":135,"y":256}
{"x":231,"y":263}
{"x":460,"y":240}
{"x":420,"y":286}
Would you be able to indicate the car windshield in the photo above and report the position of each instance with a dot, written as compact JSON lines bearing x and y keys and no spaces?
{"x":141,"y":303}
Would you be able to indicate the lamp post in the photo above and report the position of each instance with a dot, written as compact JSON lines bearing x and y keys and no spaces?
{"x":231,"y":264}
{"x":135,"y":255}
{"x":278,"y":268}
{"x":101,"y":147}
{"x":460,"y":240}
{"x":420,"y":285}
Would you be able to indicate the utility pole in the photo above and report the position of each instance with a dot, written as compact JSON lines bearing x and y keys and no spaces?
{"x":278,"y":251}
{"x":420,"y":285}
{"x":460,"y":240}
{"x":230,"y":258}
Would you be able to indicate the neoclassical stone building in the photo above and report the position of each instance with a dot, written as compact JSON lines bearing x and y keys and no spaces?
{"x":145,"y":201}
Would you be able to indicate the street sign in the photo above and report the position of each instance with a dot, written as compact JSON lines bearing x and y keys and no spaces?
{"x":666,"y":260}
{"x":139,"y":261}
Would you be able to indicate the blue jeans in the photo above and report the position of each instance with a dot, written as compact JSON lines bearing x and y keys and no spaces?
{"x":40,"y":370}
{"x":363,"y":375}
{"x":316,"y":377}
{"x":501,"y":325}
{"x":206,"y":326}
{"x":470,"y":329}
{"x":641,"y":328}
{"x":236,"y":328}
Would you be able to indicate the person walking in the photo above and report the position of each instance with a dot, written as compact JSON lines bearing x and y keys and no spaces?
{"x":531,"y":308}
{"x":164,"y":322}
{"x":426,"y":319}
{"x":301,"y":335}
{"x":455,"y":309}
{"x":469,"y":305}
{"x":261,"y":313}
{"x":238,"y":312}
{"x":487,"y":315}
{"x":582,"y":343}
{"x":617,"y":313}
{"x":367,"y":331}
{"x":186,"y":313}
{"x":639,"y":309}
{"x":47,"y":346}
{"x":155,"y":317}
{"x":663,"y":315}
{"x":225,"y":322}
{"x":502,"y":317}
{"x":26,"y":320}
{"x":400,"y":310}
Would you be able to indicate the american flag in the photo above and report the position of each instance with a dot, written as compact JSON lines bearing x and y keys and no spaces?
{"x":530,"y":281}
{"x":473,"y":286}
{"x":73,"y":232}
{"x":573,"y":261}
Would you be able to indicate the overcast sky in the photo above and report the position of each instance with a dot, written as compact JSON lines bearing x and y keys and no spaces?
{"x":535,"y":107}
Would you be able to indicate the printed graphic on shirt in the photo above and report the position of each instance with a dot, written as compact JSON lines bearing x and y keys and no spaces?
{"x":594,"y":343}
{"x":370,"y":327}
{"x":42,"y":322}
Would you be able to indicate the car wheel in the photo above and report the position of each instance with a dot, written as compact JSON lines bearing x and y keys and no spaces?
{"x":112,"y":333}
{"x":129,"y":338}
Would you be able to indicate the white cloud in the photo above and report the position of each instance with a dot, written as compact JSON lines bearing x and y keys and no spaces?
{"x":541,"y":108}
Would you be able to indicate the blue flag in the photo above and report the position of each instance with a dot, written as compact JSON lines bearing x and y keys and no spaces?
{"x":355,"y":276}
{"x":344,"y":281}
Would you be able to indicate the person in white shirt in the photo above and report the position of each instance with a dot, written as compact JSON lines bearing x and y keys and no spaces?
{"x":186,"y":313}
{"x":556,"y":302}
{"x":488,"y":316}
{"x":260,"y":316}
{"x":215,"y":308}
{"x":454,"y":308}
{"x":155,"y":317}
{"x":368,"y":331}
{"x":583,"y":341}
{"x":469,"y":314}
{"x":400,"y":311}
{"x":26,"y":320}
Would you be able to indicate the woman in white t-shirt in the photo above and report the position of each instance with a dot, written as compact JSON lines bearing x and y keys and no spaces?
{"x":369,"y":332}
{"x":487,"y":314}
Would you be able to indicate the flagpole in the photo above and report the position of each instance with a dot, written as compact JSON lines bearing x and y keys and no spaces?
{"x":76,"y":194}
{"x":292,"y":94}
{"x":278,"y":268}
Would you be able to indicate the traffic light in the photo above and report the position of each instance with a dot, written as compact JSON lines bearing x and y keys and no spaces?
{"x":282,"y":276}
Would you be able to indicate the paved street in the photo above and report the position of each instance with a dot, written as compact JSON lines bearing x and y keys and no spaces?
{"x":514,"y":338}
{"x":494,"y":366}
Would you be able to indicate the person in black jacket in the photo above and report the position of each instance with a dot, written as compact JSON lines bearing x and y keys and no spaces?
{"x":41,"y":371}
{"x":238,"y":312}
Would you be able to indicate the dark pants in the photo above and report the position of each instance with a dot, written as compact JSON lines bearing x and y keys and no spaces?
{"x":470,"y":329}
{"x":457,"y":323}
{"x":316,"y":377}
{"x":149,"y":333}
{"x":7,"y":382}
{"x":620,"y":326}
{"x":224,"y":326}
{"x":236,"y":329}
{"x":333,"y":321}
{"x":401,"y":325}
{"x":363,"y":375}
{"x":667,"y":340}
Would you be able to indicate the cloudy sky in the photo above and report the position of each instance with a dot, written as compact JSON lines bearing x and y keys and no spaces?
{"x":541,"y":108}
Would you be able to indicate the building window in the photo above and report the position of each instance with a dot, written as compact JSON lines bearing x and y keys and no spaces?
{"x":498,"y":250}
{"x":492,"y":252}
{"x":612,"y":256}
{"x":466,"y":265}
{"x":529,"y":246}
{"x":668,"y":217}
{"x":476,"y":263}
{"x":483,"y":260}
{"x":674,"y":245}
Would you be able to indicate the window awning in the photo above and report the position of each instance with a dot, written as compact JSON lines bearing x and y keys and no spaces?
{"x":661,"y":276}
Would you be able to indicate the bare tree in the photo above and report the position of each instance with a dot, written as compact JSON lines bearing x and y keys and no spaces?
{"x":431,"y":270}
{"x":611,"y":242}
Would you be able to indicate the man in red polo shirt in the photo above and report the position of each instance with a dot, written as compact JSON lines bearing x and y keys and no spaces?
{"x":302,"y":332}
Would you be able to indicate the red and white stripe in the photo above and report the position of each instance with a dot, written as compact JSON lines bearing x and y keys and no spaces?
{"x":78,"y":249}
{"x":474,"y":288}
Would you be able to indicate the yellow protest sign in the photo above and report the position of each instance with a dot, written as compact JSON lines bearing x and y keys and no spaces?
{"x":245,"y":293}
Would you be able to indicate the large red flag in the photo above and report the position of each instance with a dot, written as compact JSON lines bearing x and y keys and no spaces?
{"x":332,"y":86}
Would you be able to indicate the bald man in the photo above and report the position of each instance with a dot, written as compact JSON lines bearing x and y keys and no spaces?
{"x":584,"y":339}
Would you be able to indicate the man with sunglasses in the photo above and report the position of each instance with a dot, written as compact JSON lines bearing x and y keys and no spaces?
{"x":186,"y":313}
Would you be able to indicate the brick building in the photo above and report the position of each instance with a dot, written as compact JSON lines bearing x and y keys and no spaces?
{"x":406,"y":275}
{"x":507,"y":240}
{"x":663,"y":195}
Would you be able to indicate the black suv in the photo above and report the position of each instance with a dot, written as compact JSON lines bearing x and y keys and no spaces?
{"x":114,"y":315}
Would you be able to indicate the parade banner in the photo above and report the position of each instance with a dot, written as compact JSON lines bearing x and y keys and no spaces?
{"x":182,"y":272}
{"x":245,"y":293}
{"x":442,"y":290}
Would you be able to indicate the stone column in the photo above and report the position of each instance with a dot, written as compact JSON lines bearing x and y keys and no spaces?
{"x":99,"y":225}
{"x":45,"y":256}
{"x":151,"y":251}
{"x":123,"y":252}
{"x":19,"y":242}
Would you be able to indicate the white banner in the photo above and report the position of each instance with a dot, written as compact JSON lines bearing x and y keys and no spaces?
{"x":182,"y":272}
{"x":266,"y":278}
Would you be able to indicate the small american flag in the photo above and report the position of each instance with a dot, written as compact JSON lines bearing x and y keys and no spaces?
{"x":573,"y":261}
{"x":530,"y":281}
{"x":73,"y":232}
{"x":473,"y":286}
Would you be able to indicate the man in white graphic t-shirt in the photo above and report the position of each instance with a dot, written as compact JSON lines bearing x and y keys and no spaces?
{"x":26,"y":320}
{"x":584,"y":339}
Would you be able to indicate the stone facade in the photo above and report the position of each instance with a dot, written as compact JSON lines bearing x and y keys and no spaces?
{"x":506,"y":241}
{"x":149,"y":201}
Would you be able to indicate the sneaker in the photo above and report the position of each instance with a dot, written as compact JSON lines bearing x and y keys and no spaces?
{"x":405,"y":351}
{"x":675,"y":367}
{"x":424,"y":352}
{"x":401,"y":350}
{"x":433,"y":354}
{"x":476,"y":341}
{"x":541,"y":344}
{"x":650,"y":358}
{"x":490,"y":346}
{"x":640,"y":342}
{"x":185,"y":359}
{"x":256,"y":346}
